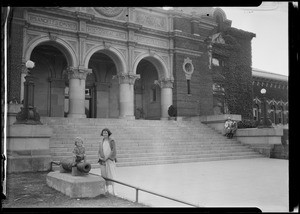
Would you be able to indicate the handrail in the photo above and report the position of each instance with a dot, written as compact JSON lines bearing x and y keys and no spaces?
{"x":148,"y":191}
{"x":136,"y":188}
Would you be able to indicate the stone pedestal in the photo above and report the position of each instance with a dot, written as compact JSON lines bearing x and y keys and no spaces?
{"x":28,"y":148}
{"x":86,"y":186}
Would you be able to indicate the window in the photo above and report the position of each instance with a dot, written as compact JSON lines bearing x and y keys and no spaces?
{"x":273,"y":114}
{"x":255,"y":112}
{"x":188,"y":86}
{"x":280,"y":115}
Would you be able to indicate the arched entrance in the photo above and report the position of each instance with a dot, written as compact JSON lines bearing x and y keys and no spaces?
{"x":147,"y":94}
{"x":102,"y":90}
{"x":50,"y":81}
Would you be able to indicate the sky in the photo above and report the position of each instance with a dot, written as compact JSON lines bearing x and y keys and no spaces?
{"x":269,"y":22}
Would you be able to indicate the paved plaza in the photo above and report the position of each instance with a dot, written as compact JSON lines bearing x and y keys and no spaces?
{"x":258,"y":182}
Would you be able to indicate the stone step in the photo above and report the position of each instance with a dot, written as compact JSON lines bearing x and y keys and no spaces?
{"x":175,"y":151}
{"x":142,"y":142}
{"x":166,"y":156}
{"x":173,"y":161}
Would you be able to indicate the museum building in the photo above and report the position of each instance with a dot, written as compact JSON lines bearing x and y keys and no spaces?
{"x":125,"y":62}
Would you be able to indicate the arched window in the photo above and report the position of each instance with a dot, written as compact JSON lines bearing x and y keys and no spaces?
{"x":255,"y":112}
{"x":280,"y":114}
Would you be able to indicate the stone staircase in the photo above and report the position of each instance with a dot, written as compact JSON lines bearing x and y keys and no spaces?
{"x":143,"y":142}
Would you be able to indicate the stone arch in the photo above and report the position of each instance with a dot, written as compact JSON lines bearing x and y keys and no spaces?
{"x":158,"y":63}
{"x":59,"y":43}
{"x":112,"y":52}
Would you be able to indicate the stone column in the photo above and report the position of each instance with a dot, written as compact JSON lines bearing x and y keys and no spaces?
{"x":77,"y":77}
{"x":126,"y":82}
{"x":166,"y":96}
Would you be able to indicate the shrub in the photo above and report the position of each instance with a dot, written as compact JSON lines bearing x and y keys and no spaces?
{"x":247,"y":123}
{"x":172,"y":111}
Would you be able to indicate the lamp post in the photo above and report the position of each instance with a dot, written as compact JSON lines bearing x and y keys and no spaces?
{"x":28,"y":113}
{"x":265,"y":123}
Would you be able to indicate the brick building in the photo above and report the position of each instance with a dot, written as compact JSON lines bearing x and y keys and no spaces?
{"x":135,"y":63}
{"x":276,"y":96}
{"x":128,"y":62}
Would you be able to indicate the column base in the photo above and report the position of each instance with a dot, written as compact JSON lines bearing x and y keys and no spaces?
{"x":127,"y":117}
{"x":77,"y":115}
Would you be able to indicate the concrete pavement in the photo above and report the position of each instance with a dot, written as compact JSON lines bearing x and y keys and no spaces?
{"x":258,"y":182}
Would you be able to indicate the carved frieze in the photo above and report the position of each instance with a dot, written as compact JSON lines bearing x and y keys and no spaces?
{"x":151,"y":41}
{"x":109,"y":11}
{"x":52,"y":22}
{"x":150,"y":20}
{"x":103,"y":32}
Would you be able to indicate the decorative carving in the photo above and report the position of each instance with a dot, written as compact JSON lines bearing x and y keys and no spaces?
{"x":30,"y":37}
{"x":109,"y":11}
{"x":88,"y":46}
{"x":135,"y":54}
{"x":73,"y":44}
{"x":106,"y":45}
{"x":78,"y":73}
{"x":52,"y":36}
{"x":106,"y":32}
{"x":164,"y":83}
{"x":127,"y":78}
{"x":151,"y":20}
{"x":151,"y":41}
{"x":188,"y":68}
{"x":61,"y":24}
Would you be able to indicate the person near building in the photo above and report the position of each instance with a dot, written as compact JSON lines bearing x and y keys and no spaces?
{"x":230,"y":128}
{"x":107,"y":159}
{"x":78,"y":152}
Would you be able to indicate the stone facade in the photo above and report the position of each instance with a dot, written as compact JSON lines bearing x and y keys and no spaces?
{"x":148,"y":46}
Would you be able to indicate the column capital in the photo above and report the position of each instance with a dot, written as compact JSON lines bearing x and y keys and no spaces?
{"x":127,"y":78}
{"x":78,"y":73}
{"x":164,"y":83}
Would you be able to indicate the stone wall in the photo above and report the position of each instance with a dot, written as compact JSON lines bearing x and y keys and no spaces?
{"x":15,"y":41}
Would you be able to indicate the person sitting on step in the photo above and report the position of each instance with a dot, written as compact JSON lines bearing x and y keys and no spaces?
{"x":230,"y":128}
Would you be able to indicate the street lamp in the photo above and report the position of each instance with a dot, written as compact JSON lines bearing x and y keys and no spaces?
{"x":28,"y":114}
{"x":265,"y":122}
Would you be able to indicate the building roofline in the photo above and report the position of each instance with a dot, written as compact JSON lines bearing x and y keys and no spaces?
{"x":269,"y":75}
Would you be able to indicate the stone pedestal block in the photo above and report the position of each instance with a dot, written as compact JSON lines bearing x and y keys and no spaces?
{"x":28,"y":148}
{"x":86,"y":186}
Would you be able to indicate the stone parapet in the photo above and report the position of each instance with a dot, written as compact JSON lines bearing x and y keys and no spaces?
{"x":262,"y":140}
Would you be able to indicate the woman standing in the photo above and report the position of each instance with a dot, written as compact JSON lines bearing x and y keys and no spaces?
{"x":107,"y":159}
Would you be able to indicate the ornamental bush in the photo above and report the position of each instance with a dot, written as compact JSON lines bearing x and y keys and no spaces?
{"x":247,"y":123}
